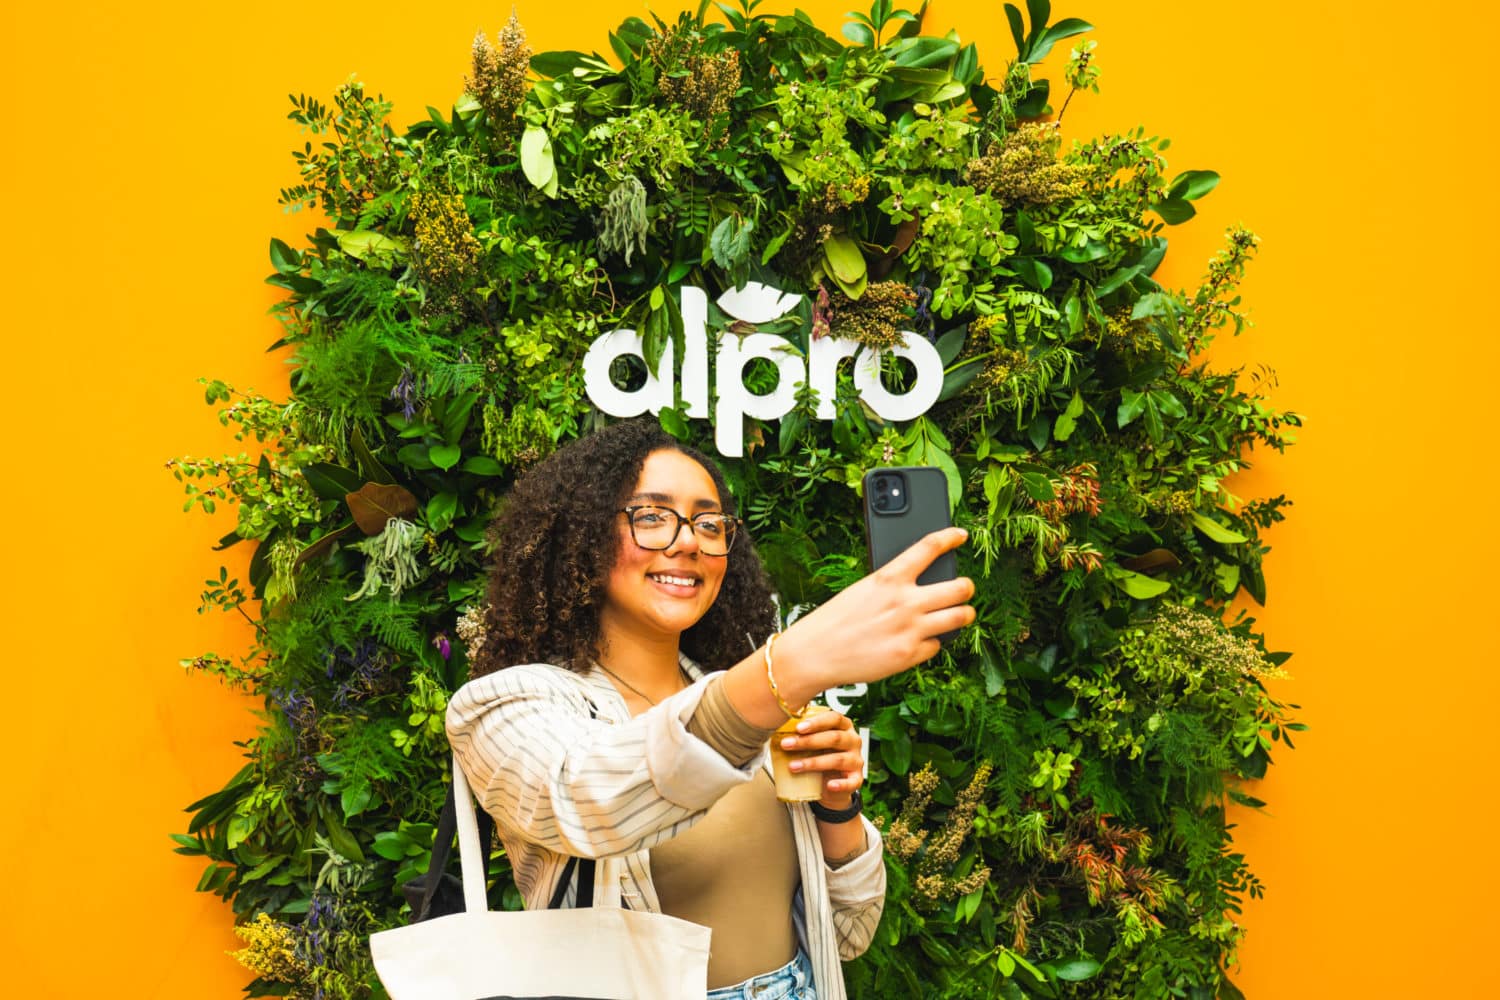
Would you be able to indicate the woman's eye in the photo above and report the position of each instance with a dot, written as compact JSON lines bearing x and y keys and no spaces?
{"x":710,"y":527}
{"x":647,"y":519}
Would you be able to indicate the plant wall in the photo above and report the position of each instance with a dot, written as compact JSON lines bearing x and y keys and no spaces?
{"x":1053,"y":787}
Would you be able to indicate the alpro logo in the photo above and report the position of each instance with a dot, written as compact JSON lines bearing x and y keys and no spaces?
{"x":754,"y":304}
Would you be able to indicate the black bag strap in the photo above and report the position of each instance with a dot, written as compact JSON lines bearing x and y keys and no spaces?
{"x":442,"y":849}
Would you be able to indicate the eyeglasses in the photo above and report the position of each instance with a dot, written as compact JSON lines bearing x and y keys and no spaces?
{"x":657,"y":528}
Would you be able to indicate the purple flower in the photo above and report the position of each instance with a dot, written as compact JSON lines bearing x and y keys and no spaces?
{"x":441,"y":644}
{"x":406,"y":390}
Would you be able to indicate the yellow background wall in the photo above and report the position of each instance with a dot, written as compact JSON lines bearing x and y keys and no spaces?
{"x":144,"y":145}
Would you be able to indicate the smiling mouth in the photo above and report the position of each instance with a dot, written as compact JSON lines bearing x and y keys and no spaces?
{"x":672,"y":579}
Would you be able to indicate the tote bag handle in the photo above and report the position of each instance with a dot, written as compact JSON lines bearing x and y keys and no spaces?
{"x":472,"y":862}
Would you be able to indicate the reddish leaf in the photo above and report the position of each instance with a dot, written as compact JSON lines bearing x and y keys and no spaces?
{"x":373,"y":505}
{"x":1150,"y":562}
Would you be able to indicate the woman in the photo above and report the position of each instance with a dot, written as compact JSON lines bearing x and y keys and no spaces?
{"x":625,"y":690}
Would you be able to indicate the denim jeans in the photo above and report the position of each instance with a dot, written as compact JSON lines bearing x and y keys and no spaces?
{"x":793,"y":981}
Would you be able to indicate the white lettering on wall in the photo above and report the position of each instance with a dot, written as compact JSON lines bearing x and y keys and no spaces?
{"x":755,"y":303}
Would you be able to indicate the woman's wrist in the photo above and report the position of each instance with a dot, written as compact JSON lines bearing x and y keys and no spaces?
{"x":749,"y":690}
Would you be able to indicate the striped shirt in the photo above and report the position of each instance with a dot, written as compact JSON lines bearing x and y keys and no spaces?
{"x":561,"y":782}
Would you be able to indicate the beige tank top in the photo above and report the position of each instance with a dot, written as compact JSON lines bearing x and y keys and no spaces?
{"x":735,"y":871}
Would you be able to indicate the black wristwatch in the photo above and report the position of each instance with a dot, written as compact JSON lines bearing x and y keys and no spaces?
{"x":844,"y":815}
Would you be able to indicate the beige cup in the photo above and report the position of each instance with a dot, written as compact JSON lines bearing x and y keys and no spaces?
{"x":795,"y":786}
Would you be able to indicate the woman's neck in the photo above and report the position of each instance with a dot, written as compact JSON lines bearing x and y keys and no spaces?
{"x":649,"y":664}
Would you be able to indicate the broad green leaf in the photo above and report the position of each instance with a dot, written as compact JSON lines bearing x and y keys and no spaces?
{"x":1063,"y":426}
{"x":555,"y":64}
{"x":1216,"y":531}
{"x":1228,"y":576}
{"x":845,"y":260}
{"x":1038,"y":487}
{"x":372,"y":247}
{"x":1066,"y":28}
{"x":958,"y":377}
{"x":1175,"y":211}
{"x":923,"y":52}
{"x":1034,"y":272}
{"x":482,"y":465}
{"x":390,"y":845}
{"x":440,"y":510}
{"x":1132,"y":405}
{"x":373,"y":470}
{"x":445,"y":456}
{"x":1191,"y":185}
{"x":858,"y":33}
{"x":331,"y":482}
{"x":950,"y":343}
{"x":284,"y":258}
{"x":674,"y":422}
{"x":1074,"y":970}
{"x":1138,"y":586}
{"x":536,"y":156}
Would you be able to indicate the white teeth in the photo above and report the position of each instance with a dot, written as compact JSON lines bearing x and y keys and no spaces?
{"x":680,"y":581}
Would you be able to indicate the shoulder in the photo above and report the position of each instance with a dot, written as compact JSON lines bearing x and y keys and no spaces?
{"x":525,"y":684}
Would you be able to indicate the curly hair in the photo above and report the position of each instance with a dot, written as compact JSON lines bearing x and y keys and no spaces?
{"x":555,"y":541}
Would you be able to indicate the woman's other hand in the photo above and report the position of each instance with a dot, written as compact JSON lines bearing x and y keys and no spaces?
{"x":835,"y":750}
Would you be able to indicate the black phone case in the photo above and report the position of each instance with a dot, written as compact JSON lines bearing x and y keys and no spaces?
{"x":926,"y":511}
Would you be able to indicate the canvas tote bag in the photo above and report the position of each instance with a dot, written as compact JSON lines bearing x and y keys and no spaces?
{"x":602,"y":952}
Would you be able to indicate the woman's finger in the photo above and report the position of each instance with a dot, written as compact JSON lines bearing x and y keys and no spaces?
{"x":944,"y":594}
{"x":923,"y":552}
{"x":833,"y":739}
{"x":821,"y":721}
{"x":848,"y":761}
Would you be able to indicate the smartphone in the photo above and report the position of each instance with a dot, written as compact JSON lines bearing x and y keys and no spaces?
{"x":902,"y":505}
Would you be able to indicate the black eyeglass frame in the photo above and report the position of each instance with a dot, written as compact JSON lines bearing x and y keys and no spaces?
{"x":734,"y":531}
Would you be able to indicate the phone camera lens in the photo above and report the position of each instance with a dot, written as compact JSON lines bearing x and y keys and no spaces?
{"x":882,"y":503}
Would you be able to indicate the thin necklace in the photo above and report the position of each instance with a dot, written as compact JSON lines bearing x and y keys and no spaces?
{"x":641,"y":694}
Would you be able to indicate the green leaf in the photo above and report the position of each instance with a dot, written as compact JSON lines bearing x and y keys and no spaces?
{"x":445,"y":456}
{"x":1138,"y":586}
{"x":368,"y":464}
{"x":1216,"y":531}
{"x":555,"y":64}
{"x":950,"y":343}
{"x":355,"y":799}
{"x":1063,"y":426}
{"x":1132,"y":405}
{"x":1175,"y":211}
{"x":958,"y":377}
{"x":1034,"y":272}
{"x":482,"y":465}
{"x":390,"y":845}
{"x":845,"y":261}
{"x":331,"y":482}
{"x":372,"y":247}
{"x":674,"y":422}
{"x":1066,"y":28}
{"x":440,"y":511}
{"x":1074,"y":970}
{"x":284,"y":258}
{"x":1038,"y":487}
{"x":1228,"y":577}
{"x":1193,"y":184}
{"x":858,"y":33}
{"x":339,"y":837}
{"x":536,"y":156}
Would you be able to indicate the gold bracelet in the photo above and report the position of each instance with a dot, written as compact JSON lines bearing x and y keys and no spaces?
{"x":791,"y":713}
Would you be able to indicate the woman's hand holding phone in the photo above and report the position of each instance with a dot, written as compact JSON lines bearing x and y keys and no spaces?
{"x":885,"y":623}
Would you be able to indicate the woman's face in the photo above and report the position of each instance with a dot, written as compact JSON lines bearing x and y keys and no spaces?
{"x":656,"y":594}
